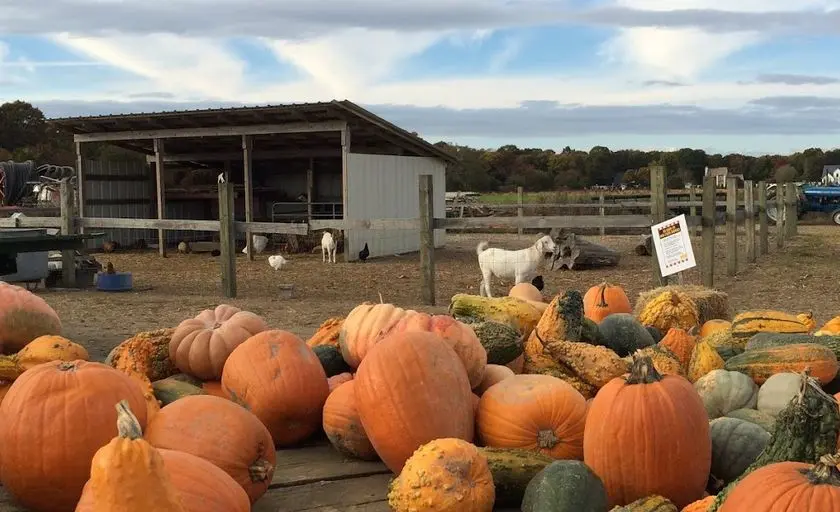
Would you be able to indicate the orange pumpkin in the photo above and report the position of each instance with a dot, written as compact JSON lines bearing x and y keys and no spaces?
{"x":526,"y":291}
{"x":364,"y":327}
{"x":221,"y":432}
{"x":493,"y":374}
{"x":644,"y":409}
{"x":459,"y":335}
{"x":201,"y":345}
{"x":5,"y":386}
{"x":518,"y":364}
{"x":327,"y":333}
{"x":603,"y":300}
{"x":713,"y":326}
{"x":344,"y":427}
{"x":214,"y":388}
{"x":23,"y":317}
{"x":337,"y":380}
{"x":680,"y":343}
{"x":278,"y":378}
{"x":411,"y":389}
{"x":68,"y":401}
{"x":533,"y":412}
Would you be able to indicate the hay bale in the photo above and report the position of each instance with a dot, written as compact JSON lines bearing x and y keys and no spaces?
{"x":711,"y":303}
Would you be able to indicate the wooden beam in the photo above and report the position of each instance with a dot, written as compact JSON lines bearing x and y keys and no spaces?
{"x":547,"y":222}
{"x":255,"y":155}
{"x":520,"y":200}
{"x":227,"y":240}
{"x":791,"y":207}
{"x":345,"y":155}
{"x":274,"y":228}
{"x":780,"y":209}
{"x":159,"y":187}
{"x":731,"y":225}
{"x":80,"y":182}
{"x":427,"y":238}
{"x":167,"y":224}
{"x":310,"y":188}
{"x":707,"y":261}
{"x":68,"y":257}
{"x":215,"y":131}
{"x":247,"y":171}
{"x":658,"y":201}
{"x":749,"y":219}
{"x":763,"y":238}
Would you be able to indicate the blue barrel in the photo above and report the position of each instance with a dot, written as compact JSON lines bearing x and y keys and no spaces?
{"x":116,"y":282}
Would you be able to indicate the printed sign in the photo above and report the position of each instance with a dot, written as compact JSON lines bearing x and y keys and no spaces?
{"x":673,"y":246}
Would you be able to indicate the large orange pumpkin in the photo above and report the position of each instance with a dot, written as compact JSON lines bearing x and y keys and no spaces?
{"x":603,"y":300}
{"x":344,"y":427}
{"x":411,"y":389}
{"x":201,"y":345}
{"x":278,"y":378}
{"x":69,"y":403}
{"x":364,"y":327}
{"x":460,"y":336}
{"x":221,"y":432}
{"x":23,"y":317}
{"x":641,"y":430}
{"x":533,"y":412}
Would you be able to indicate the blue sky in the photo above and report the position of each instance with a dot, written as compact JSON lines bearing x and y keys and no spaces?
{"x":751,"y":76}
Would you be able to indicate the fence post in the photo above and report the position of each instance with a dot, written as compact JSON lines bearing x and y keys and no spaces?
{"x":708,"y":226}
{"x":790,"y":210}
{"x":227,"y":238}
{"x":657,"y":213}
{"x":763,"y":242}
{"x":731,"y":225}
{"x":519,"y":212}
{"x":427,"y":239}
{"x":780,"y":213}
{"x":68,"y":256}
{"x":692,"y":209}
{"x":602,"y":213}
{"x":749,"y":219}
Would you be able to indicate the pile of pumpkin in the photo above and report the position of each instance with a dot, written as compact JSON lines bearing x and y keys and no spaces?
{"x":575,"y":404}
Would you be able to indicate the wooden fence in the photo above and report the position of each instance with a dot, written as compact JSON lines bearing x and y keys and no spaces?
{"x":754,"y":203}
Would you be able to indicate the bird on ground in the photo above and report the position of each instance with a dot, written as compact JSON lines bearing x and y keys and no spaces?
{"x":221,"y":177}
{"x":109,"y":268}
{"x":277,"y":261}
{"x":364,"y":253}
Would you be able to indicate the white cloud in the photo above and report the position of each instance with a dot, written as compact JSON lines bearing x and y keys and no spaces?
{"x":511,"y":48}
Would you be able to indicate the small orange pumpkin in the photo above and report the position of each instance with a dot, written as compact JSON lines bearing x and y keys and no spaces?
{"x":680,"y":343}
{"x":604,"y":300}
{"x":337,"y":380}
{"x":493,"y":374}
{"x":24,"y":317}
{"x":713,"y":326}
{"x":344,"y":427}
{"x":364,"y":327}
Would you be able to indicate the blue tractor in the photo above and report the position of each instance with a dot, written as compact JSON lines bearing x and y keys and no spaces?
{"x":811,"y":198}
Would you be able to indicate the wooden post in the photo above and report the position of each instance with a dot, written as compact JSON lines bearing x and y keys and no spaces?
{"x":790,"y":210}
{"x":227,"y":240}
{"x":80,"y":183}
{"x":519,"y":211}
{"x":602,"y":212}
{"x":68,"y":256}
{"x":247,"y":171}
{"x":310,"y":188}
{"x":345,"y":200}
{"x":708,"y":226}
{"x":763,"y":239}
{"x":692,"y":210}
{"x":657,"y":213}
{"x":780,"y":212}
{"x":427,"y":239}
{"x":731,"y":225}
{"x":161,"y":205}
{"x":749,"y":219}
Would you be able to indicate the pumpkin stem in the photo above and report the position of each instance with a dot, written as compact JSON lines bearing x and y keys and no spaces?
{"x":825,"y":471}
{"x":66,"y":366}
{"x":546,"y":439}
{"x":808,"y":381}
{"x":643,"y":371}
{"x":381,"y":300}
{"x":602,"y":301}
{"x":260,"y":470}
{"x":675,"y":299}
{"x":128,"y":426}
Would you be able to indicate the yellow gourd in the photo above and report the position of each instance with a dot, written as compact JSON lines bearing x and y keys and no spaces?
{"x":670,"y":309}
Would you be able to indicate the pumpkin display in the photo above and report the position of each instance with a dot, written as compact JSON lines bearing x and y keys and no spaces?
{"x":533,"y":412}
{"x":664,"y":360}
{"x":364,"y":327}
{"x":221,"y":432}
{"x":623,"y":334}
{"x":565,"y":486}
{"x":53,"y":401}
{"x":446,"y":475}
{"x":723,"y":391}
{"x":653,"y":503}
{"x":40,"y":350}
{"x":146,"y":353}
{"x":749,"y":323}
{"x":670,"y":309}
{"x":512,"y":470}
{"x":168,"y":390}
{"x":562,"y":320}
{"x":603,"y":300}
{"x":502,"y":342}
{"x":831,"y":328}
{"x":24,"y":317}
{"x":704,"y":359}
{"x":526,"y":291}
{"x":459,"y":335}
{"x":520,"y":314}
{"x":735,"y":445}
{"x":337,"y":380}
{"x":201,"y":345}
{"x":777,"y":392}
{"x":493,"y":374}
{"x":411,"y":389}
{"x":344,"y":427}
{"x":759,"y":418}
{"x":278,"y":378}
{"x":327,"y":333}
{"x":713,"y":326}
{"x":772,"y":339}
{"x":619,"y":432}
{"x":761,"y":364}
{"x":680,"y":343}
{"x":585,"y":366}
{"x":726,"y":345}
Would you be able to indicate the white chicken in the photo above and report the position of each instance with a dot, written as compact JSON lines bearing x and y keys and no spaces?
{"x":259,"y":243}
{"x":277,"y":261}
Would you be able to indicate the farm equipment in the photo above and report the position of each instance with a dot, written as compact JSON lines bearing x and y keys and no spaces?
{"x":25,"y":184}
{"x":810,"y":198}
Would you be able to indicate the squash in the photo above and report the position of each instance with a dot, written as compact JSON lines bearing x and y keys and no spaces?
{"x":40,"y":350}
{"x":704,"y":359}
{"x":493,"y":375}
{"x":55,"y":401}
{"x":714,"y":325}
{"x":725,"y":344}
{"x":700,"y":505}
{"x":446,"y":475}
{"x":655,"y":333}
{"x":411,"y":389}
{"x":619,"y":431}
{"x":327,"y":333}
{"x":749,"y":323}
{"x":201,"y":345}
{"x":520,"y":314}
{"x":128,"y":474}
{"x":759,"y":418}
{"x":653,"y":503}
{"x":24,"y":317}
{"x":168,"y":390}
{"x":526,"y":291}
{"x":502,"y":342}
{"x":512,"y":470}
{"x":221,"y":432}
{"x":771,"y":339}
{"x":663,"y":359}
{"x":565,"y":486}
{"x":363,"y":328}
{"x":723,"y":391}
{"x":777,"y":392}
{"x":279,"y":379}
{"x":603,"y":300}
{"x":533,"y":412}
{"x":146,"y":353}
{"x":590,"y":333}
{"x":331,"y":360}
{"x":831,"y":328}
{"x":760,"y":364}
{"x":735,"y":445}
{"x":337,"y":380}
{"x":585,"y":366}
{"x":789,"y":486}
{"x":344,"y":427}
{"x":623,"y":334}
{"x":670,"y":309}
{"x":189,"y":379}
{"x":681,"y":344}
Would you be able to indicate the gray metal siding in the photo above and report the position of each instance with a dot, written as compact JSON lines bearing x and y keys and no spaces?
{"x":120,"y":193}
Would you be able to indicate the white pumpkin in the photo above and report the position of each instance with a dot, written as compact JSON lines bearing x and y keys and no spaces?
{"x":724,"y":391}
{"x":777,"y":391}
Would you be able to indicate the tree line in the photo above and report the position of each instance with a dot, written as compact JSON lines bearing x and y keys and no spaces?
{"x":25,"y":134}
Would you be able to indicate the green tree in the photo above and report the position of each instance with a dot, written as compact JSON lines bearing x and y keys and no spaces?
{"x":21,"y":125}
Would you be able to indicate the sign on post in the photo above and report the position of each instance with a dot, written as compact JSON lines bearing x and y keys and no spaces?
{"x":672,"y":241}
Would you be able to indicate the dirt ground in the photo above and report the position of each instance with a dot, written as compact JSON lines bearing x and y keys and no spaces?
{"x":803,"y":277}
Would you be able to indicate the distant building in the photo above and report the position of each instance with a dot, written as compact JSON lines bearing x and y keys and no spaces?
{"x":831,"y":175}
{"x":720,"y":174}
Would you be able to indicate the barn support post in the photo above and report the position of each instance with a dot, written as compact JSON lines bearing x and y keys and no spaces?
{"x":310,"y":188}
{"x":227,"y":240}
{"x":790,"y":210}
{"x":427,"y":239}
{"x":709,"y":209}
{"x":80,"y":183}
{"x":160,"y":188}
{"x":345,"y":154}
{"x":731,"y":225}
{"x":68,"y":256}
{"x":763,"y":241}
{"x":247,"y":169}
{"x":692,"y":209}
{"x":749,"y":219}
{"x":519,"y":211}
{"x":658,"y":211}
{"x":780,"y":214}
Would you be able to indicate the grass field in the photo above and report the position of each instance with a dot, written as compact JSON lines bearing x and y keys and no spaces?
{"x":571,"y":196}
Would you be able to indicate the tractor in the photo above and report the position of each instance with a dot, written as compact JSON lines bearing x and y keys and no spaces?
{"x":810,"y":198}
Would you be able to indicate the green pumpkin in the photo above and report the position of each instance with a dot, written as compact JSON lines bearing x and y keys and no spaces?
{"x":623,"y":334}
{"x":170,"y":389}
{"x":502,"y":342}
{"x":512,"y":469}
{"x":772,"y":339}
{"x":332,"y":360}
{"x":735,"y":445}
{"x":655,"y":333}
{"x":565,"y":486}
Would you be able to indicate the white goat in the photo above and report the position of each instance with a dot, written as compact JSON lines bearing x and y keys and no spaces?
{"x":259,"y":243}
{"x":521,"y":265}
{"x":277,"y":261}
{"x":327,"y":247}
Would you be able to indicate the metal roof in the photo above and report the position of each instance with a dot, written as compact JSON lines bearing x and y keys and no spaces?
{"x":366,"y":128}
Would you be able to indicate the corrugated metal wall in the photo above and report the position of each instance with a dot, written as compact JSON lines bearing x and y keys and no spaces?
{"x":386,"y":187}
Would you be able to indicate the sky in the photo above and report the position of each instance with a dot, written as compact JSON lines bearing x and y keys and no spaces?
{"x":750,"y":76}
